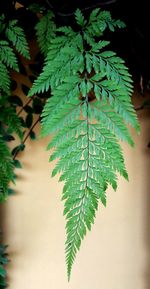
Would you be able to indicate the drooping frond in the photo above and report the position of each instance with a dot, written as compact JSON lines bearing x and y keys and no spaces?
{"x":8,"y":60}
{"x":16,"y":36}
{"x":9,"y":118}
{"x":9,"y":121}
{"x":100,"y":20}
{"x":2,"y":23}
{"x":3,"y":261}
{"x":56,"y":65}
{"x":6,"y":169}
{"x":86,"y":133}
{"x":7,"y":55}
{"x":4,"y":78}
{"x":45,"y":31}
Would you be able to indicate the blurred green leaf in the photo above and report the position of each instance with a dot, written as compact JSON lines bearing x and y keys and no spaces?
{"x":25,"y":89}
{"x":37,"y":105}
{"x":17,"y":149}
{"x":2,"y":271}
{"x":22,"y":122}
{"x":17,"y":164}
{"x":29,"y":120}
{"x":8,"y":137}
{"x":32,"y":135}
{"x":11,"y":192}
{"x":28,"y":109}
{"x":16,"y":100}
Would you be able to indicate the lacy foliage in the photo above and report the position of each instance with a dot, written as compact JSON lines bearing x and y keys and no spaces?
{"x":87,"y":116}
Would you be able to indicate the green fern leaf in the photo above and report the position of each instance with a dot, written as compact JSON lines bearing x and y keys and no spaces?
{"x":7,"y":55}
{"x":93,"y":15}
{"x":3,"y":261}
{"x":4,"y":78}
{"x":68,"y":31}
{"x":100,"y":20}
{"x":2,"y":24}
{"x":79,"y":221}
{"x":15,"y":34}
{"x":45,"y":31}
{"x":80,"y":18}
{"x":9,"y":117}
{"x":6,"y":169}
{"x":86,"y":133}
{"x":56,"y":65}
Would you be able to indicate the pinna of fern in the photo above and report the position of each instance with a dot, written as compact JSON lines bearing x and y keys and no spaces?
{"x":86,"y":134}
{"x":13,"y":40}
{"x":3,"y":261}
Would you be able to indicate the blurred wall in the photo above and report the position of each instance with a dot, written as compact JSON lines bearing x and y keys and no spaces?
{"x":115,"y":255}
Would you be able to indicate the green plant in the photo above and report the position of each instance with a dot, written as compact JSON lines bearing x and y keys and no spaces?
{"x":88,"y":90}
{"x":3,"y":262}
{"x":86,"y":132}
{"x":12,"y":38}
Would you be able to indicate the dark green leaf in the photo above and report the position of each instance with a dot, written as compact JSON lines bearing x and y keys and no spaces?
{"x":2,"y":271}
{"x":17,"y":149}
{"x":25,"y":89}
{"x":14,"y":99}
{"x":23,"y":124}
{"x":32,"y":135}
{"x":37,"y":105}
{"x":28,"y":109}
{"x":29,"y":120}
{"x":8,"y":137}
{"x":11,"y":192}
{"x":17,"y":164}
{"x":13,"y":85}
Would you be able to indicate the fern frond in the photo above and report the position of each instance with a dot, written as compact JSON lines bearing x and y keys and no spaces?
{"x":4,"y":78}
{"x":6,"y":169}
{"x":9,"y":117}
{"x":116,"y":69}
{"x":104,"y":113}
{"x":114,"y":82}
{"x":79,"y":220}
{"x":3,"y":261}
{"x":7,"y":55}
{"x":66,"y":30}
{"x":45,"y":31}
{"x":86,"y":133}
{"x":2,"y":24}
{"x":80,"y":18}
{"x":64,"y":58}
{"x":99,"y":21}
{"x":15,"y":34}
{"x":93,"y":15}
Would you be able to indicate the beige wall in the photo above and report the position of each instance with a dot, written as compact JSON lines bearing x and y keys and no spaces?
{"x":115,"y":255}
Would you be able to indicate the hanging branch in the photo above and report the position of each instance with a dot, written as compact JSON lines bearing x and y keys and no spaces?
{"x":27,"y":103}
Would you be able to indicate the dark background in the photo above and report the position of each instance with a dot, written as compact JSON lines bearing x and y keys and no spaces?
{"x":131,"y":43}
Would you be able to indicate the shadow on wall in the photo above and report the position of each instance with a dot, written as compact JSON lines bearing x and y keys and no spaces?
{"x":144,"y":119}
{"x":147,"y":228}
{"x":1,"y":219}
{"x":144,"y":116}
{"x":146,"y":150}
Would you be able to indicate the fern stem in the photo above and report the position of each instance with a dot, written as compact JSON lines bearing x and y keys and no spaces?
{"x":87,"y":125}
{"x":27,"y":103}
